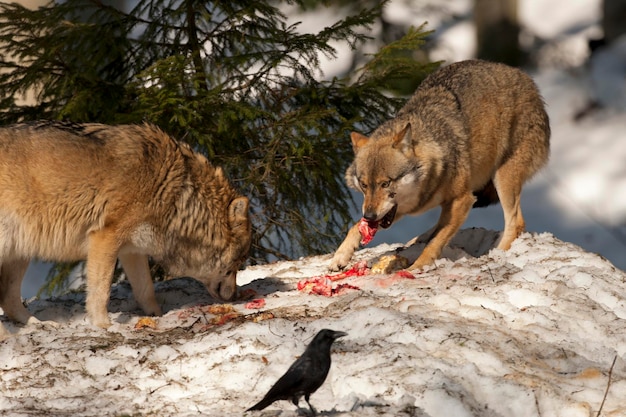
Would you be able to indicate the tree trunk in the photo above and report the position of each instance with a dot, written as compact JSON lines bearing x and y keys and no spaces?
{"x":497,"y":31}
{"x":613,"y":19}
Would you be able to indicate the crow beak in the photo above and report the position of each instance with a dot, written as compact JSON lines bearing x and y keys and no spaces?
{"x":337,"y":335}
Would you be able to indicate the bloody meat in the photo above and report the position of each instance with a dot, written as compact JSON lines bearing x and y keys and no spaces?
{"x":367,"y":229}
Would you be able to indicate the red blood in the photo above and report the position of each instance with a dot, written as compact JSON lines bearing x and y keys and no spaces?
{"x":405,"y":274}
{"x":255,"y":304}
{"x":367,"y":229}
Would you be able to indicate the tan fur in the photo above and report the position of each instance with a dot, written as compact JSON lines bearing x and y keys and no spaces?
{"x":471,"y":130}
{"x":101,"y":193}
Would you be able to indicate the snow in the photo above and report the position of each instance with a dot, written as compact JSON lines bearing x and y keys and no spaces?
{"x":558,"y":18}
{"x":528,"y":332}
{"x":531,"y":332}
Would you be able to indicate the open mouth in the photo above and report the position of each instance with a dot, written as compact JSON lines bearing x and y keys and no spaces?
{"x":368,"y":228}
{"x":386,"y":221}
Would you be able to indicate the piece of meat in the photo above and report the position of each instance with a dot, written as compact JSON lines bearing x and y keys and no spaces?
{"x":367,"y":229}
{"x":146,"y":323}
{"x":316,"y":285}
{"x":255,"y":304}
{"x":389,"y":263}
{"x":218,"y":309}
{"x":358,"y":269}
{"x":223,"y":319}
{"x":323,"y":285}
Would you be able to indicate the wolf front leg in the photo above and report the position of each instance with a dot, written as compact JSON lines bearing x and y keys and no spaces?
{"x":346,"y":249}
{"x":138,"y":273}
{"x":101,"y":259}
{"x":452,"y":217}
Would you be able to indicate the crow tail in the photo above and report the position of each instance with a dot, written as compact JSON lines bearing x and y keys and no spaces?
{"x":261,"y":404}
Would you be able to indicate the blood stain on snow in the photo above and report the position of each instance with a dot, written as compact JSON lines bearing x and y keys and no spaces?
{"x":392,"y":279}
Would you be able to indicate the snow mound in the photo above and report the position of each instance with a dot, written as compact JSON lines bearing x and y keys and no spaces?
{"x":528,"y":332}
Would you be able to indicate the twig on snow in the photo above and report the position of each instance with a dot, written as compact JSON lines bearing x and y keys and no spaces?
{"x":608,"y":386}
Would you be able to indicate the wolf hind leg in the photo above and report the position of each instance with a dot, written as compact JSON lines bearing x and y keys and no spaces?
{"x":138,"y":273}
{"x":508,"y":183}
{"x":11,"y":275}
{"x":4,"y":333}
{"x":530,"y":151}
{"x":452,"y":217}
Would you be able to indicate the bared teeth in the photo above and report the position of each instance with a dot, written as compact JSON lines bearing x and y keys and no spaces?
{"x":389,"y":217}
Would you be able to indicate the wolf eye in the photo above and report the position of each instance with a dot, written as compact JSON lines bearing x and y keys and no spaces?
{"x":362,"y":185}
{"x":385,"y":184}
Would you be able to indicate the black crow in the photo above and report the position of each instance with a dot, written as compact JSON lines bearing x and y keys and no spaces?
{"x":305,"y":375}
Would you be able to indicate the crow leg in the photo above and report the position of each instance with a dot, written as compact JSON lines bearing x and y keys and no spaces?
{"x":313,"y":412}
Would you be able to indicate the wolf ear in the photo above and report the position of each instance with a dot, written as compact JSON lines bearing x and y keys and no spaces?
{"x":402,"y":140}
{"x":358,"y":140}
{"x":238,"y":212}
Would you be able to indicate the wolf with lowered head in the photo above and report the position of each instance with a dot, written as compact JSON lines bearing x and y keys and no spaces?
{"x":71,"y":192}
{"x":472,"y":134}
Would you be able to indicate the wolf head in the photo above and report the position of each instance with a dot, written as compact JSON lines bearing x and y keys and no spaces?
{"x":225,"y":284}
{"x":215,"y":250}
{"x":209,"y":227}
{"x":387,"y":171}
{"x":221,"y":281}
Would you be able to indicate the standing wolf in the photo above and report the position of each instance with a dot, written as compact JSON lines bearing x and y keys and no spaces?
{"x":472,"y":134}
{"x":90,"y":191}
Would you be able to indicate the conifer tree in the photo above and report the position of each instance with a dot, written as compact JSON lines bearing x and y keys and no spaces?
{"x":232,"y":78}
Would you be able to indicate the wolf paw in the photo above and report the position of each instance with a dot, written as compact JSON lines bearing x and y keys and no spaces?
{"x":4,"y":333}
{"x":338,"y":263}
{"x":43,"y":325}
{"x":101,"y":322}
{"x":335,"y":267}
{"x":422,"y":263}
{"x":35,"y":322}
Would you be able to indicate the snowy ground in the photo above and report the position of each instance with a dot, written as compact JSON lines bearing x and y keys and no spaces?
{"x":528,"y":332}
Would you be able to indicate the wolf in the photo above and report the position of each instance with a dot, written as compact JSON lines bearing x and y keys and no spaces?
{"x":101,"y":193}
{"x":471,"y":135}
